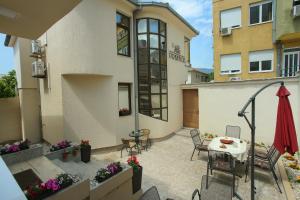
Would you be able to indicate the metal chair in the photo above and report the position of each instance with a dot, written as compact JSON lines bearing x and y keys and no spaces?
{"x":233,"y":131}
{"x":220,"y":161}
{"x":213,"y":188}
{"x":198,"y":143}
{"x":150,"y":194}
{"x":128,"y":145}
{"x":145,"y":139}
{"x":267,"y":163}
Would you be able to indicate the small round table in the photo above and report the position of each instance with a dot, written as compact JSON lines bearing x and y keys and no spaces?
{"x":238,"y":150}
{"x":137,"y":134}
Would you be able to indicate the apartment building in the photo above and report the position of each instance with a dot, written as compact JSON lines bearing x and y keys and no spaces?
{"x":111,"y":66}
{"x":247,"y":38}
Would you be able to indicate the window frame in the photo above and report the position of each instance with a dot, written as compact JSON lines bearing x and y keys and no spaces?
{"x":260,"y":4}
{"x":232,"y":27}
{"x":260,"y":63}
{"x":230,"y":72}
{"x":129,"y":33}
{"x":128,"y":85}
{"x":150,"y":79}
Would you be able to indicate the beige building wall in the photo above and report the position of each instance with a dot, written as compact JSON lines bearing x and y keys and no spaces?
{"x":81,"y":55}
{"x":80,"y":96}
{"x":219,"y":104}
{"x":243,"y":40}
{"x":28,"y":91}
{"x":177,"y":74}
{"x":10,"y":119}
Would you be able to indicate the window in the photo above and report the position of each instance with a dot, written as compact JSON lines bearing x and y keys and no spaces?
{"x":261,"y":61}
{"x":123,"y":34}
{"x":291,"y":62}
{"x":187,"y":51}
{"x":261,"y":12}
{"x":231,"y":18}
{"x":124,"y":99}
{"x":231,"y":64}
{"x":152,"y":68}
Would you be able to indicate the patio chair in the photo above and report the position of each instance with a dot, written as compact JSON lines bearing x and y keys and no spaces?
{"x":214,"y":188}
{"x":233,"y":131}
{"x":220,"y":161}
{"x":128,"y":145}
{"x":198,"y":143}
{"x":151,"y":194}
{"x":145,"y":139}
{"x":267,"y":163}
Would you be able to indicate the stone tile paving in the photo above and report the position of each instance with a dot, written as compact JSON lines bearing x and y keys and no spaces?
{"x":167,"y":165}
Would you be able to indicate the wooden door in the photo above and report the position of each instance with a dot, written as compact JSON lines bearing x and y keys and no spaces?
{"x":190,"y":108}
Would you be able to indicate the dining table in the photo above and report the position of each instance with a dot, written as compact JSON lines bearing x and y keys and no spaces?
{"x":238,"y":150}
{"x":137,"y":134}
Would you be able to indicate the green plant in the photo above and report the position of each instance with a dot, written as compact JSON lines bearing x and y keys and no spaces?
{"x":134,"y":163}
{"x":8,"y":84}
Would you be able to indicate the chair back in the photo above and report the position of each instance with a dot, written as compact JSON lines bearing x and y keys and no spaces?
{"x":150,"y":194}
{"x":125,"y":142}
{"x":195,"y":135}
{"x":233,"y":131}
{"x":274,"y":157}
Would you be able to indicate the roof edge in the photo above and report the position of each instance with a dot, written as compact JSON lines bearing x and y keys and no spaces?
{"x":167,"y":6}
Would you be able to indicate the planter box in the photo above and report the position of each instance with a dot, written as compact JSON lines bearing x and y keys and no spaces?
{"x":59,"y":154}
{"x":116,"y":187}
{"x":34,"y":151}
{"x":77,"y":191}
{"x":137,"y":180}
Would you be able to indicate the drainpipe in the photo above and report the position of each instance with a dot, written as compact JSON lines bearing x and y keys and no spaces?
{"x":279,"y":59}
{"x":136,"y":95}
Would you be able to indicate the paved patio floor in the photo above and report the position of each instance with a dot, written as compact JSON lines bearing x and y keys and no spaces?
{"x":167,"y":165}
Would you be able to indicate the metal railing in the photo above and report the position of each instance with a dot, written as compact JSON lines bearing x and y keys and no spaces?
{"x":289,"y":71}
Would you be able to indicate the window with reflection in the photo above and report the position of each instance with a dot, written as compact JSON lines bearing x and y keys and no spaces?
{"x":152,"y":68}
{"x":123,"y":34}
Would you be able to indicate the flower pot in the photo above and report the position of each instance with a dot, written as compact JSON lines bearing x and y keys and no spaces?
{"x":85,"y":153}
{"x":137,"y":180}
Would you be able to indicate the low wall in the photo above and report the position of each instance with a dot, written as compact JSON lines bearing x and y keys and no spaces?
{"x":59,"y":154}
{"x":34,"y":151}
{"x":10,"y":119}
{"x":116,"y":187}
{"x":219,"y":104}
{"x":77,"y":191}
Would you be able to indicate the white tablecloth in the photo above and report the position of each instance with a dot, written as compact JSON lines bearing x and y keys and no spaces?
{"x":236,"y":149}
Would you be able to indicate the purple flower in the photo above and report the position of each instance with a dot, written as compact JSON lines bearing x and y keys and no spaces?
{"x":52,"y":184}
{"x":112,"y":168}
{"x":13,"y":148}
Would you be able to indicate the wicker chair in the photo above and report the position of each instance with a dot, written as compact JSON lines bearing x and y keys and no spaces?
{"x":128,"y":145}
{"x":213,"y":188}
{"x":145,"y":139}
{"x":198,"y":143}
{"x":233,"y":131}
{"x":267,"y":163}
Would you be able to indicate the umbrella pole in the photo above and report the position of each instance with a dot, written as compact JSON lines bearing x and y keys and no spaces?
{"x":242,"y":113}
{"x":252,"y":150}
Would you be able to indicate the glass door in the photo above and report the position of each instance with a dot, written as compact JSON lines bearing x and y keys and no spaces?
{"x":291,"y":62}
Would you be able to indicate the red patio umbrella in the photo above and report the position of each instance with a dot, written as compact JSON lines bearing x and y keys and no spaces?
{"x":285,"y":134}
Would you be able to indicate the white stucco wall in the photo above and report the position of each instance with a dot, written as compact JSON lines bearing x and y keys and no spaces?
{"x":83,"y":44}
{"x":28,"y":91}
{"x":219,"y":104}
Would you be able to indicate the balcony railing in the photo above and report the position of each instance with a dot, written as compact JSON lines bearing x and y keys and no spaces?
{"x":290,"y":71}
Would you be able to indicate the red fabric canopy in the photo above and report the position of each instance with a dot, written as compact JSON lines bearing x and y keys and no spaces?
{"x":285,"y":133}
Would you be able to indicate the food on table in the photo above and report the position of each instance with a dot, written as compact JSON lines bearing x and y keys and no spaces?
{"x":294,"y":165}
{"x":223,"y":146}
{"x":226,"y":141}
{"x":289,"y":157}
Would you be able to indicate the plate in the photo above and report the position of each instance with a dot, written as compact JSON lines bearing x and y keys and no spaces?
{"x":224,"y":141}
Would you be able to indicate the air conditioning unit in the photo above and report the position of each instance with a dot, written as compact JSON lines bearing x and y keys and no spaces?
{"x":235,"y":79}
{"x":36,"y":47}
{"x":226,"y":31}
{"x":38,"y":69}
{"x":296,"y":11}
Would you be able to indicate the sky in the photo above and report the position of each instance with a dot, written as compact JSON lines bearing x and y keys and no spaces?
{"x":197,"y":12}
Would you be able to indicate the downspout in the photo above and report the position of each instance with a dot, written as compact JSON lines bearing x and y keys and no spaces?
{"x":136,"y":95}
{"x":277,"y":43}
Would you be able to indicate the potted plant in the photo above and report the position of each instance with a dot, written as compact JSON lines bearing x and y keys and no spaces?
{"x":85,"y":149}
{"x":105,"y":173}
{"x":137,"y":173}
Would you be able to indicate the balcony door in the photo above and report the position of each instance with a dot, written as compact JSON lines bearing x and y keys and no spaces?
{"x":291,"y":62}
